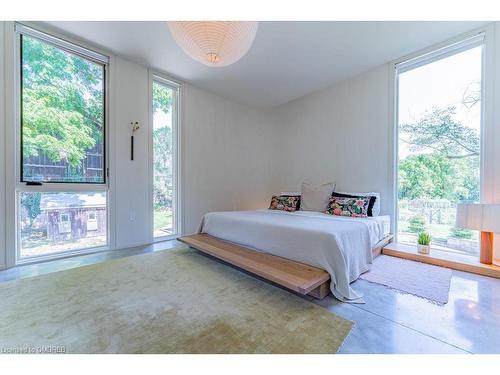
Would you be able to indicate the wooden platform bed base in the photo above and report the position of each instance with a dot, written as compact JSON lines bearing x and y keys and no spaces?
{"x":298,"y":277}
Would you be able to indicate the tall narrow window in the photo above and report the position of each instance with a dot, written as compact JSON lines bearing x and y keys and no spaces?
{"x":439,"y":127}
{"x":61,"y":188}
{"x":164,"y":145}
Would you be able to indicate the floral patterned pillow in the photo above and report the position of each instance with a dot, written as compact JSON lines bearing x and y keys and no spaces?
{"x":285,"y":202}
{"x":371,"y":197}
{"x":353,"y":207}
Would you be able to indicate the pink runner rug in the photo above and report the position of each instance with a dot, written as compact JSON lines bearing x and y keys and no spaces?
{"x":420,"y":279}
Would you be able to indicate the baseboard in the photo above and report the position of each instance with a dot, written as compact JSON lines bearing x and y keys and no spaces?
{"x":128,"y":246}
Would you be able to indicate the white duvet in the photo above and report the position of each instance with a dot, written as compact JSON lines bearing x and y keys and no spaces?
{"x":340,"y":245}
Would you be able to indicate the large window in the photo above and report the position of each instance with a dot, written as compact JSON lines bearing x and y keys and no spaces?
{"x":165,"y":161}
{"x":439,"y":144}
{"x":62,"y":118}
{"x":61,"y":186}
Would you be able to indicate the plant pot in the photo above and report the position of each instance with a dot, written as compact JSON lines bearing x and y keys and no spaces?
{"x":423,"y":249}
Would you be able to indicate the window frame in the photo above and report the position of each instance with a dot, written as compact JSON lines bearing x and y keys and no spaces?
{"x":75,"y":50}
{"x":476,"y":38}
{"x":20,"y":186}
{"x":158,"y":77}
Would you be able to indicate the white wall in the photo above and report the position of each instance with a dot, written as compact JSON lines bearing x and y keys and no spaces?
{"x":225,"y":153}
{"x":227,"y":156}
{"x":340,"y":134}
{"x":129,"y":179}
{"x":2,"y":148}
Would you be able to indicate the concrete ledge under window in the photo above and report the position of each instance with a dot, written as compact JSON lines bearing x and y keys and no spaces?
{"x":442,"y":258}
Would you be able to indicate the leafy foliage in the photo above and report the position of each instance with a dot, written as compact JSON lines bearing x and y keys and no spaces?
{"x":437,"y":131}
{"x":62,"y":103}
{"x":416,"y":224}
{"x":447,"y":166}
{"x":461,"y":233}
{"x":31,"y":203}
{"x":434,"y":176}
{"x":424,"y":238}
{"x":162,"y":149}
{"x":425,"y":176}
{"x":162,"y":98}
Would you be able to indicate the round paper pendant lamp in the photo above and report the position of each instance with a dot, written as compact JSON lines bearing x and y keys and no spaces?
{"x":214,"y":43}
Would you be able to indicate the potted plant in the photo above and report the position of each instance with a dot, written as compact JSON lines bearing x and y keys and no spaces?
{"x":424,"y":241}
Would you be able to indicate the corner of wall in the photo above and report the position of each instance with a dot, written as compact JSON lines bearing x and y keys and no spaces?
{"x":318,"y":136}
{"x":3,"y":246}
{"x":226,"y":155}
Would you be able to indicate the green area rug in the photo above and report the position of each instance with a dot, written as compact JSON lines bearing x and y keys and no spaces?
{"x":176,"y":301}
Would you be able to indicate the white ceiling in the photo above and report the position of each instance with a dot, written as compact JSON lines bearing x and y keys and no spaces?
{"x":288,"y":59}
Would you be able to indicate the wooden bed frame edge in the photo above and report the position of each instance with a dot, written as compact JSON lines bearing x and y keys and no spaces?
{"x":298,"y":277}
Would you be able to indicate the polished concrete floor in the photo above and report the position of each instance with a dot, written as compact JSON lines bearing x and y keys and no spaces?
{"x":389,"y":322}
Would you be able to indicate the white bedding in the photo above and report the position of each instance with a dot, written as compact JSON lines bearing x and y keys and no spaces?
{"x":340,"y":245}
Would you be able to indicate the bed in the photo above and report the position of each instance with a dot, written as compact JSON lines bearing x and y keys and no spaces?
{"x":341,"y":246}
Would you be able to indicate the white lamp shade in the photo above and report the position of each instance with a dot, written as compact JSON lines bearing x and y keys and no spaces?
{"x":217,"y":43}
{"x":483,"y":217}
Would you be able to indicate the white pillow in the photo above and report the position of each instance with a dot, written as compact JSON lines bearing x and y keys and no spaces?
{"x":291,"y":193}
{"x":315,"y":198}
{"x":376,"y":205}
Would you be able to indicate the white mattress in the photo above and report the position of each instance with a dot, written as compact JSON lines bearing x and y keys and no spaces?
{"x":340,"y":245}
{"x":377,"y":232}
{"x":384,"y":223}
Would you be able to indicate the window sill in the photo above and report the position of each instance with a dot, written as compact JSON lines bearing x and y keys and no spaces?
{"x":442,"y":258}
{"x":60,"y":255}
